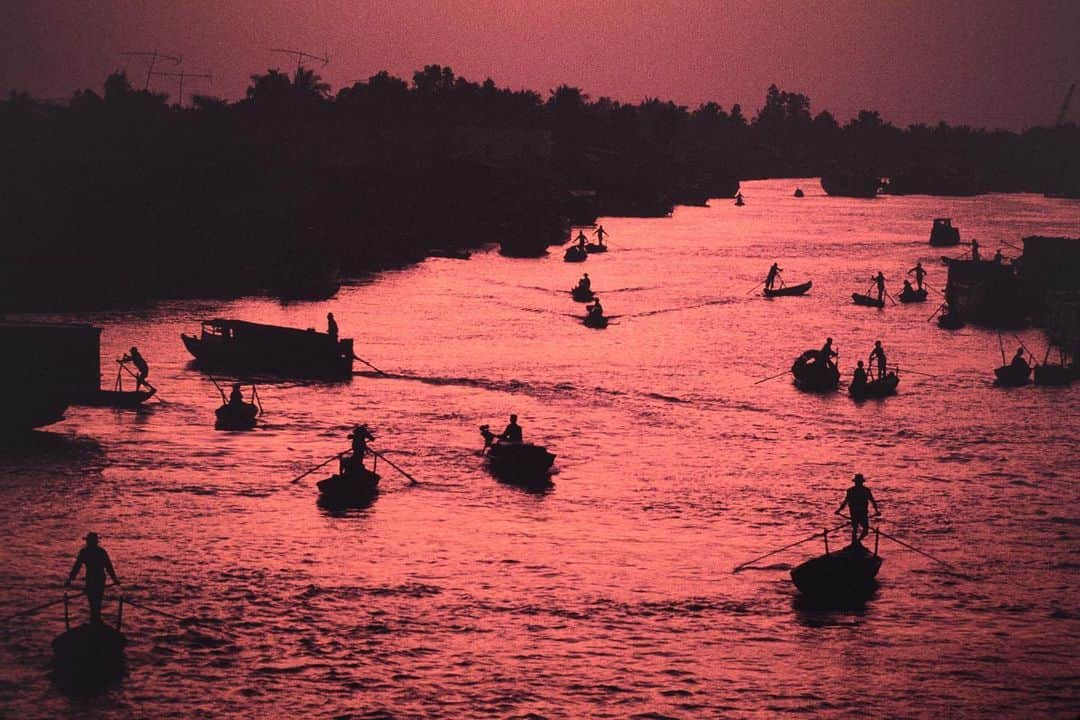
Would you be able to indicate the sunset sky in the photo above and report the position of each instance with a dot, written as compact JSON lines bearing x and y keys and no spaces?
{"x":991,"y":63}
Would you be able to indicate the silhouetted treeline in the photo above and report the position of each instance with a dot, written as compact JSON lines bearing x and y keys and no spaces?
{"x":121,"y":197}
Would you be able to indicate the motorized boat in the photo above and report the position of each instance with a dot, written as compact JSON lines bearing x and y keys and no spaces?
{"x":788,"y":290}
{"x":867,"y":300}
{"x":351,"y":488}
{"x":1012,"y":375}
{"x":844,"y":575}
{"x":878,"y":388}
{"x":915,"y":296}
{"x":517,"y":463}
{"x":811,"y":375}
{"x":246,"y":347}
{"x":582,"y":294}
{"x":575,"y":253}
{"x":943,"y":234}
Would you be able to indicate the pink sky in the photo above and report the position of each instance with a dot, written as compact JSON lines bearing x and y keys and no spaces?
{"x":991,"y":63}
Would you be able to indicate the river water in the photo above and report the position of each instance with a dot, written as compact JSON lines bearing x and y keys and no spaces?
{"x":613,"y":594}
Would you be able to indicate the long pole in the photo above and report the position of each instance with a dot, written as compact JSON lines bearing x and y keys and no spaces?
{"x":773,"y":377}
{"x":324,"y":463}
{"x":915,"y":549}
{"x":223,"y":399}
{"x":753,"y":288}
{"x":786,"y":547}
{"x":39,"y":608}
{"x":391,"y":464}
{"x":1001,"y":345}
{"x":939,"y":309}
{"x":357,"y":357}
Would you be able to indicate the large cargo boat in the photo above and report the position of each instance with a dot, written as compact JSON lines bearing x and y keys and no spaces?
{"x":243,"y":347}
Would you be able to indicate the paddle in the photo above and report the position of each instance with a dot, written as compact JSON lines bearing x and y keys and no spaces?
{"x":915,"y":549}
{"x":41,"y":607}
{"x":916,"y":372}
{"x":324,"y":463}
{"x":357,"y":357}
{"x":891,"y":298}
{"x":391,"y":464}
{"x":1001,"y":345}
{"x":255,"y":395}
{"x":754,"y":288}
{"x":939,"y":309}
{"x":171,"y":616}
{"x":224,"y":400}
{"x":123,"y":366}
{"x":773,"y":377}
{"x":786,"y":547}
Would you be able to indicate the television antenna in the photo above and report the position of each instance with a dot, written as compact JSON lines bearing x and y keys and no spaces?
{"x":181,"y":76}
{"x":154,"y":56}
{"x":300,"y":55}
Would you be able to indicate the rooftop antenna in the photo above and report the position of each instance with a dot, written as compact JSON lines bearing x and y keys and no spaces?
{"x":154,"y":56}
{"x":181,"y":76}
{"x":300,"y":55}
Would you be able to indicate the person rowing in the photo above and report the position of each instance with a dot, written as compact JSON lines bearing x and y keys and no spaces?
{"x":878,"y":354}
{"x":826,"y":354}
{"x":770,"y":279}
{"x":879,"y":281}
{"x":1019,"y":364}
{"x":596,"y":310}
{"x":585,"y":283}
{"x":512,"y":433}
{"x":919,"y":274}
{"x":856,"y":500}
{"x":354,"y":462}
{"x":858,"y":378}
{"x":236,"y":397}
{"x":97,"y":563}
{"x":136,"y":359}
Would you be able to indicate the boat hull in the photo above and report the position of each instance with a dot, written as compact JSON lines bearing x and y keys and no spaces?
{"x":581,"y":295}
{"x":876,"y":388}
{"x":595,"y":248}
{"x":866,"y":300}
{"x":810,"y":377}
{"x":915,"y":296}
{"x":352,"y":489}
{"x":596,"y":322}
{"x":575,"y":254}
{"x":1053,"y":375}
{"x":236,"y":416}
{"x":241,"y":347}
{"x":847,"y":574}
{"x":789,"y":290}
{"x":520,"y":463}
{"x":1008,"y":376}
{"x":26,"y":411}
{"x":89,"y":654}
{"x":125,"y":399}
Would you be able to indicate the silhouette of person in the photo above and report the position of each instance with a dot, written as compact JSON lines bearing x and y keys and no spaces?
{"x":139,"y":362}
{"x":919,"y":274}
{"x":826,"y":354}
{"x":858,"y":379}
{"x":975,"y":250}
{"x":512,"y":433}
{"x":331,"y":327}
{"x":359,"y":436}
{"x":1019,"y":363}
{"x":998,"y":257}
{"x":856,"y":500}
{"x":585,"y":283}
{"x":596,"y":309}
{"x":600,"y":233}
{"x":738,"y":198}
{"x":97,"y":563}
{"x":236,"y":397}
{"x":771,"y":277}
{"x":878,"y":354}
{"x":581,"y":239}
{"x":879,"y":280}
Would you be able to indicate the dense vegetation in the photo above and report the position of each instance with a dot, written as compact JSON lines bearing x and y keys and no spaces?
{"x":122,"y":197}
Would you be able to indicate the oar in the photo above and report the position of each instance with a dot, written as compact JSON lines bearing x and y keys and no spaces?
{"x":171,"y":616}
{"x":134,"y":375}
{"x":1026,"y":347}
{"x":927,"y":285}
{"x":891,"y":298}
{"x":255,"y":394}
{"x":357,"y":357}
{"x":915,"y":549}
{"x":41,"y":607}
{"x":939,"y":309}
{"x":223,"y":398}
{"x":916,"y":372}
{"x":324,"y":463}
{"x":754,"y":288}
{"x":786,"y":547}
{"x":1001,"y":345}
{"x":391,"y":464}
{"x":773,"y":377}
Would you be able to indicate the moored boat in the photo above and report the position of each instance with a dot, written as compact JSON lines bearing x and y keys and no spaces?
{"x":1012,"y":375}
{"x":28,"y":408}
{"x":813,"y":376}
{"x":244,"y":347}
{"x":788,"y":290}
{"x":575,"y":253}
{"x":842,"y":575}
{"x":943,"y":234}
{"x":1053,"y":374}
{"x":881,"y":387}
{"x":867,"y":300}
{"x":915,"y":296}
{"x":950,"y":320}
{"x":351,"y":488}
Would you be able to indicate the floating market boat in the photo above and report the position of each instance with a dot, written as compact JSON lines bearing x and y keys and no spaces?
{"x":943,"y":234}
{"x":352,"y":488}
{"x":867,"y":300}
{"x":881,"y":387}
{"x":582,"y":294}
{"x":575,"y":254}
{"x":813,"y":376}
{"x":915,"y":296}
{"x":244,"y":347}
{"x":788,"y":290}
{"x":843,"y":575}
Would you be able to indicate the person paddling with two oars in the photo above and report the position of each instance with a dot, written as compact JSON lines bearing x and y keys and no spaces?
{"x":354,"y":463}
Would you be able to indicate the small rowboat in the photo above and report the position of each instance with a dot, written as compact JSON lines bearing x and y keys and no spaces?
{"x":575,"y":254}
{"x":860,"y":299}
{"x":596,"y":321}
{"x":89,"y":655}
{"x":1012,"y":376}
{"x":236,"y":416}
{"x":844,"y":575}
{"x":595,"y":248}
{"x":788,"y":290}
{"x":915,"y":296}
{"x":354,"y":488}
{"x":811,"y":376}
{"x":127,"y":399}
{"x":520,"y":463}
{"x":582,"y":294}
{"x":882,"y":387}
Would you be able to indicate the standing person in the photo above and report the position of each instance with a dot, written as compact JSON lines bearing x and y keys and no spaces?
{"x":919,"y":274}
{"x":771,"y":277}
{"x":512,"y":433}
{"x":600,"y":233}
{"x":879,"y":280}
{"x":140,"y":364}
{"x":856,"y":500}
{"x":581,"y":239}
{"x":975,"y":250}
{"x":826,"y":354}
{"x":331,"y":326}
{"x":878,"y":354}
{"x":97,"y":563}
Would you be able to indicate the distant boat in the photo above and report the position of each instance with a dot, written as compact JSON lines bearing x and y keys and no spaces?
{"x":867,"y":300}
{"x":850,"y":182}
{"x":914,"y":296}
{"x":245,"y":347}
{"x":575,"y":253}
{"x":1054,"y":374}
{"x":788,"y":290}
{"x":451,"y":253}
{"x":812,"y":376}
{"x":882,"y":387}
{"x":798,"y":192}
{"x":595,"y":248}
{"x":596,"y":321}
{"x":943,"y":234}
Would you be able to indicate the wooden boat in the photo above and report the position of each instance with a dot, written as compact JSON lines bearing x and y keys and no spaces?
{"x":881,"y":387}
{"x":1012,"y":376}
{"x":950,"y":320}
{"x":915,"y":296}
{"x":595,"y":248}
{"x":596,"y":321}
{"x":124,"y":399}
{"x":811,"y":376}
{"x":1053,"y":374}
{"x":236,"y":416}
{"x":575,"y":254}
{"x":520,"y":463}
{"x":943,"y":234}
{"x":582,"y":294}
{"x":90,"y":654}
{"x":353,"y":488}
{"x":245,"y":347}
{"x":843,"y":575}
{"x":867,"y":300}
{"x":788,"y":290}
